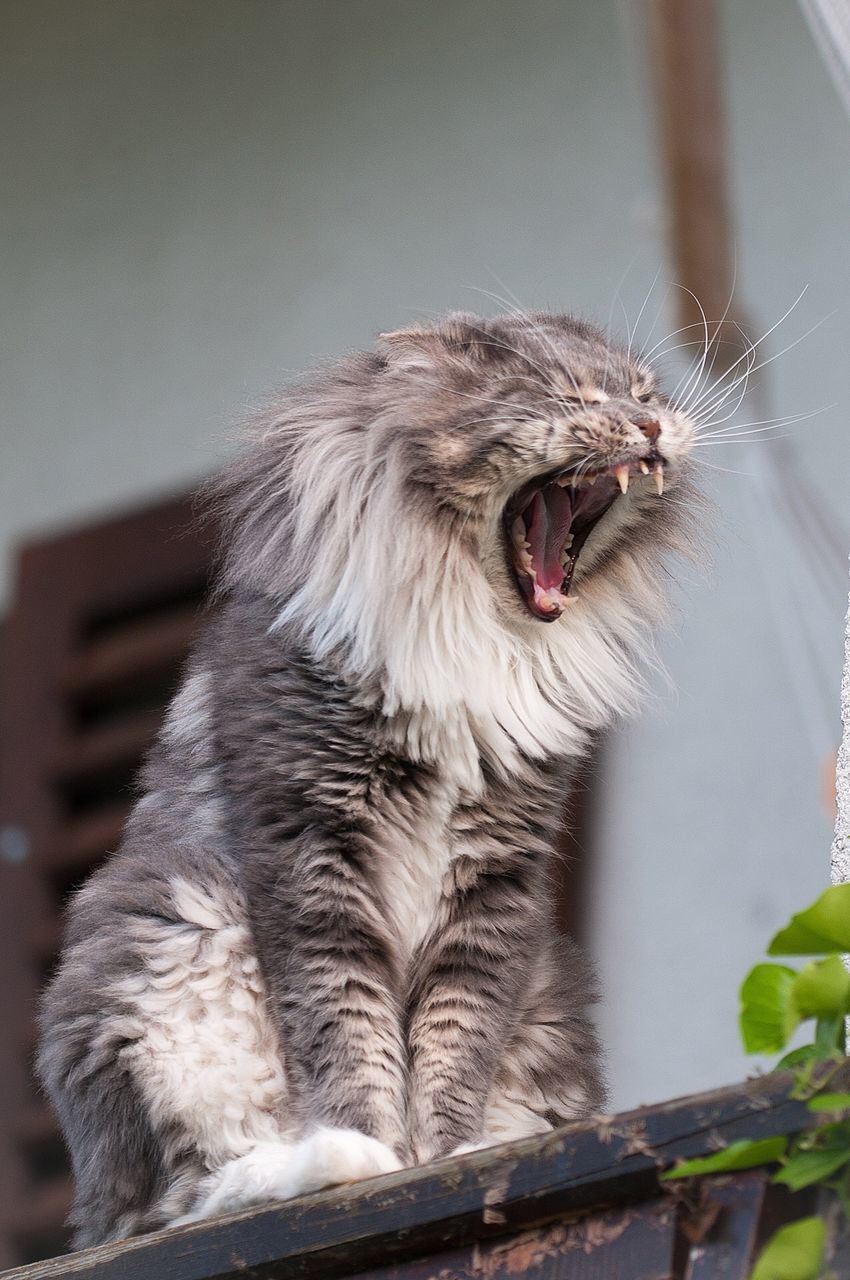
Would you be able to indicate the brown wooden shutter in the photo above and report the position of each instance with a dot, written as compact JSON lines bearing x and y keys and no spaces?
{"x":101,"y":624}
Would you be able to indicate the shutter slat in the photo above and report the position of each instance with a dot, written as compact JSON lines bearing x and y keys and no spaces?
{"x":132,"y":652}
{"x":87,"y":839}
{"x":46,"y":1207}
{"x":106,"y":748}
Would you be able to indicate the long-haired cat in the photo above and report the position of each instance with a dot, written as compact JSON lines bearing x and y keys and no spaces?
{"x":325,"y":948}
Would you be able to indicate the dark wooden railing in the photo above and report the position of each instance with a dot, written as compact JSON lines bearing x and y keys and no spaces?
{"x":581,"y":1203}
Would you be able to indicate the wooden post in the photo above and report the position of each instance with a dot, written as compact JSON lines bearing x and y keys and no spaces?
{"x":687,"y":83}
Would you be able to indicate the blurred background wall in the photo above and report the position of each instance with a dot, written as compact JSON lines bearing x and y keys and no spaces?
{"x":200,"y":197}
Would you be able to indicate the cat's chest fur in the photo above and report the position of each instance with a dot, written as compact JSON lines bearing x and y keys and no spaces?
{"x":417,"y":851}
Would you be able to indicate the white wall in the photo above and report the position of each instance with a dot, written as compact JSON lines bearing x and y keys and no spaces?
{"x":203,"y":196}
{"x":715,"y":828}
{"x":200,"y":196}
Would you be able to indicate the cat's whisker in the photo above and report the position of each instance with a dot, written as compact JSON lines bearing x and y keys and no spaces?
{"x":746,"y":356}
{"x":706,"y":344}
{"x":715,"y":395}
{"x":709,"y":412}
{"x":685,"y":328}
{"x":712,"y":444}
{"x":718,"y":328}
{"x":766,"y":424}
{"x":616,"y":298}
{"x":634,"y":327}
{"x":642,"y":353}
{"x":703,"y":462}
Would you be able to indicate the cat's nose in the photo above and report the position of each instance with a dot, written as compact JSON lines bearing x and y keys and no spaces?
{"x":650,"y":427}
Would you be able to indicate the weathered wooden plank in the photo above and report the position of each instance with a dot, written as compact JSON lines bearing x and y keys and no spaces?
{"x":619,"y":1244}
{"x":723,"y":1226}
{"x":837,"y":1252}
{"x":450,"y":1204}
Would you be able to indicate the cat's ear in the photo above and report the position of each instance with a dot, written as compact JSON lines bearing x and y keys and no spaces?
{"x":459,"y":338}
{"x":413,"y":348}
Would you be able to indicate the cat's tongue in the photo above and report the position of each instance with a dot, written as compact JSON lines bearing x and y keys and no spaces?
{"x":547,"y":521}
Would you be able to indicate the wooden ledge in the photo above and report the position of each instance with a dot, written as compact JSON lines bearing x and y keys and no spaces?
{"x":447,"y":1211}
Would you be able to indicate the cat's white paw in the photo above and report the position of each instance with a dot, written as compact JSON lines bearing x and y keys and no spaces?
{"x":331,"y":1156}
{"x":498,"y":1136}
{"x":281,"y":1170}
{"x":466,"y":1147}
{"x":264,"y":1174}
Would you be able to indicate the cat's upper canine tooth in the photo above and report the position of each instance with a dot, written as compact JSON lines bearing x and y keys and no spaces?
{"x":659,"y":478}
{"x":622,"y":475}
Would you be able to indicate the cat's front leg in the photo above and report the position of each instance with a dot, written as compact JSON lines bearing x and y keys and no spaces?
{"x":332,"y":981}
{"x":333,"y":978}
{"x":465,"y":998}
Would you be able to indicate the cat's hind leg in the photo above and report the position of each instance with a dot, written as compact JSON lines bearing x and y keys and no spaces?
{"x":207,"y":1059}
{"x":550,"y":1071}
{"x":165,"y":1068}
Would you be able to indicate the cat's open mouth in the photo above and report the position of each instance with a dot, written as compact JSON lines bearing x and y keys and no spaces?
{"x":547,"y":522}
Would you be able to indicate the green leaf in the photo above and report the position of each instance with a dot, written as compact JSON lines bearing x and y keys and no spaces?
{"x":797,"y":1058}
{"x":806,"y":1167}
{"x":768,"y":1014}
{"x":829,"y":1102}
{"x":822,"y":927}
{"x":793,"y":1252}
{"x":822,"y":989}
{"x":738,"y":1155}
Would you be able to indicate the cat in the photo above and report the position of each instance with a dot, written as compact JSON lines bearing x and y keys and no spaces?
{"x":325,"y":948}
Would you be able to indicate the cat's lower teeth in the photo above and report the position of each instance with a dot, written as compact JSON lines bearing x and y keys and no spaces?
{"x":518,"y":532}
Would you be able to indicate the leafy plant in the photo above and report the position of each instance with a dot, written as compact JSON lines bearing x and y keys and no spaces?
{"x":775,"y":1000}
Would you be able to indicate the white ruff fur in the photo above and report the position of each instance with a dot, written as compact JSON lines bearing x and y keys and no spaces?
{"x":405,"y":609}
